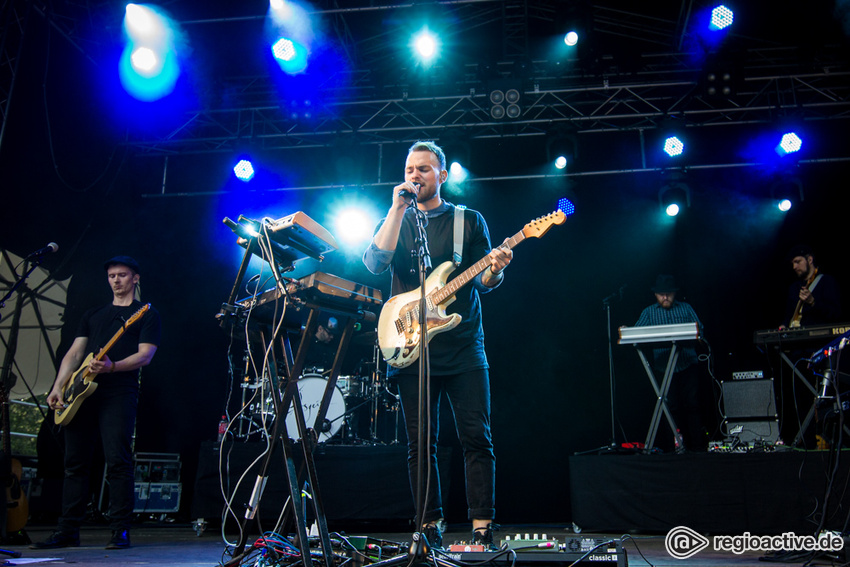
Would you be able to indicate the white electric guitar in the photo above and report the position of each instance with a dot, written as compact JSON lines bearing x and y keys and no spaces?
{"x":399,"y":332}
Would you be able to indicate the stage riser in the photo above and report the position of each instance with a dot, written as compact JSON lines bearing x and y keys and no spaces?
{"x":356,"y":482}
{"x":763,"y":493}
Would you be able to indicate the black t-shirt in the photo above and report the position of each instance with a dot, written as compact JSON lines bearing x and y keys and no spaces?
{"x":100,"y":324}
{"x":462,"y":348}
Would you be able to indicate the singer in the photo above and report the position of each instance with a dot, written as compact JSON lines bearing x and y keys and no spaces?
{"x":458,"y":363}
{"x":108,"y":416}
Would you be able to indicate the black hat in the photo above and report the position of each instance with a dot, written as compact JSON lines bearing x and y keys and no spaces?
{"x":664,"y":283}
{"x":124,"y":261}
{"x":799,"y":250}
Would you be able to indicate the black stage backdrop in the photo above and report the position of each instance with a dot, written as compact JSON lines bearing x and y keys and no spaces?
{"x":545,"y":326}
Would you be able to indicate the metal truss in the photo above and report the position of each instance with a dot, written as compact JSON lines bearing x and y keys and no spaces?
{"x":773,"y":85}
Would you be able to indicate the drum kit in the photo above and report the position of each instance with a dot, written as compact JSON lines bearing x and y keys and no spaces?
{"x":363,"y":410}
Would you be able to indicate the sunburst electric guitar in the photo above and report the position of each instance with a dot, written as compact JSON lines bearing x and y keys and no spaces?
{"x":399,"y":332}
{"x":82,"y":384}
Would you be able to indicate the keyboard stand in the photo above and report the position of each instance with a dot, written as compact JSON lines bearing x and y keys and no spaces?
{"x":661,"y":395}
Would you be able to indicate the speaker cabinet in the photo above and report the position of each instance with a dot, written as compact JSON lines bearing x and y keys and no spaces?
{"x":749,"y":408}
{"x":749,"y":399}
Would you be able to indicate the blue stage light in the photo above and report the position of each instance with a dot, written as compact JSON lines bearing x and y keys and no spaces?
{"x":571,"y":38}
{"x":784,"y":205}
{"x":566,"y":206}
{"x":560,"y":162}
{"x":148,"y":68}
{"x":673,"y":146}
{"x":426,"y":46}
{"x":789,"y":144}
{"x":721,"y":17}
{"x":244,"y":170}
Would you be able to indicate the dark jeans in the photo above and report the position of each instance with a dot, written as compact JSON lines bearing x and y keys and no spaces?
{"x":469,"y":400}
{"x":108,"y":417}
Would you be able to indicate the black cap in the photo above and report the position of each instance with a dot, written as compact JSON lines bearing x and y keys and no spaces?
{"x":124,"y":261}
{"x":665,"y":283}
{"x":800,"y":250}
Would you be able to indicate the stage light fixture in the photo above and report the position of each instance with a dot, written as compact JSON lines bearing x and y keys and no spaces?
{"x":149,"y":68}
{"x":566,"y":206}
{"x":789,"y":144}
{"x":786,"y":192}
{"x":425,"y":44}
{"x":505,"y":102}
{"x":289,"y":31}
{"x":561,"y":150}
{"x":353,"y":226}
{"x":721,"y":17}
{"x":244,"y":170}
{"x":571,"y":38}
{"x":673,"y":146}
{"x":674,"y":197}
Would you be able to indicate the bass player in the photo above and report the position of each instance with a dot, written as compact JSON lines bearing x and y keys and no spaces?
{"x":813,"y":299}
{"x":458,"y":363}
{"x":108,"y":416}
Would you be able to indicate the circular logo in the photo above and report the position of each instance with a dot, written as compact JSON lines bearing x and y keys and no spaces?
{"x":682,"y":542}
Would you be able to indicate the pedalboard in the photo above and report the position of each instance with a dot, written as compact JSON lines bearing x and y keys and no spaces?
{"x":544,"y":551}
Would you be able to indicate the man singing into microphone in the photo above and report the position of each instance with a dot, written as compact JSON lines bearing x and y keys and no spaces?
{"x":458,"y":364}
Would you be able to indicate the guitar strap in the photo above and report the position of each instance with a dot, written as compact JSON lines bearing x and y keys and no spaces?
{"x":457,"y":255}
{"x":815,"y":282}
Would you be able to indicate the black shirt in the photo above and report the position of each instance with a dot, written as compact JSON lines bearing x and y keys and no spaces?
{"x":100,"y":324}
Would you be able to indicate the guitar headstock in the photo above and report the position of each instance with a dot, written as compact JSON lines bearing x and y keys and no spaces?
{"x":539,"y":226}
{"x":135,"y":316}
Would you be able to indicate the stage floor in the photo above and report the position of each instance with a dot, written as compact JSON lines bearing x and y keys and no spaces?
{"x":180,"y":545}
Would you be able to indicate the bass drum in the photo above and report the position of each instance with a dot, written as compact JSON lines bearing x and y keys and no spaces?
{"x":311,"y":388}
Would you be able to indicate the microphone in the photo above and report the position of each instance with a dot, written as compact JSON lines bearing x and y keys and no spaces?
{"x":409,"y":194}
{"x":52,"y":247}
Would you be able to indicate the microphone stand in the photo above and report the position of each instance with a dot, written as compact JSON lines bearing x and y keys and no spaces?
{"x":420,"y":547}
{"x":612,"y":442}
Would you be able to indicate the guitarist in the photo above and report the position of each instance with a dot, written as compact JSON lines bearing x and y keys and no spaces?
{"x":108,"y":416}
{"x":813,"y":298}
{"x":458,"y":364}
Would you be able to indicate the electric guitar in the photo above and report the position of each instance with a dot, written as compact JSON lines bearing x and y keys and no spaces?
{"x":82,"y":384}
{"x":797,"y":318}
{"x":399,"y":332}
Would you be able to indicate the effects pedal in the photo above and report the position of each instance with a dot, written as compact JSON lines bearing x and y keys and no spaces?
{"x":463,"y":547}
{"x":530,"y":542}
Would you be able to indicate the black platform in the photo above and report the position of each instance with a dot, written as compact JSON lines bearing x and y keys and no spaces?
{"x":763,"y":493}
{"x":357,"y":482}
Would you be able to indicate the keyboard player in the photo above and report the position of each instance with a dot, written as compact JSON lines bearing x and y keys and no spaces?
{"x":684,"y":396}
{"x":813,"y":298}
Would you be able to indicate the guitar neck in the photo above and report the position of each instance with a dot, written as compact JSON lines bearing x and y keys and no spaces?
{"x":442,"y":294}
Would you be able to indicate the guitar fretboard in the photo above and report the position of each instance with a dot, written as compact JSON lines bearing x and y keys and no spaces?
{"x":440,"y":295}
